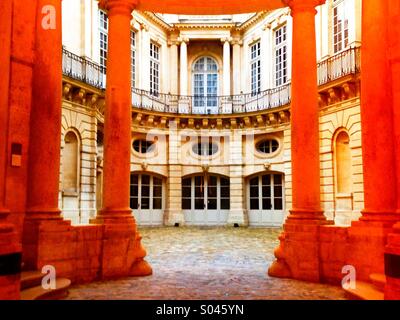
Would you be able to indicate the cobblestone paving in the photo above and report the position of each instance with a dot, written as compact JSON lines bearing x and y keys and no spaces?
{"x":207,"y":263}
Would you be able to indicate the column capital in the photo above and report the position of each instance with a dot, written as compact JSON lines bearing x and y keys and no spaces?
{"x":118,"y":6}
{"x":236,"y":42}
{"x":173,"y":43}
{"x":144,"y":26}
{"x":302,"y":5}
{"x":183,"y":40}
{"x":226,"y":39}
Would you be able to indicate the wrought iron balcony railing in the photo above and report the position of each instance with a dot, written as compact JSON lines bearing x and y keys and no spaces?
{"x":335,"y":67}
{"x":340,"y":65}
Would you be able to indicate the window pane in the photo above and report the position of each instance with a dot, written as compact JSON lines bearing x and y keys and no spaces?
{"x":225,"y":192}
{"x":266,"y":203}
{"x":278,"y":204}
{"x":145,"y":179}
{"x":157,"y":191}
{"x":157,"y":203}
{"x":134,"y":203}
{"x":225,"y":204}
{"x":186,"y":204}
{"x":266,"y":180}
{"x":253,"y":204}
{"x":199,"y":204}
{"x":145,"y":191}
{"x":277,"y":191}
{"x":266,"y":191}
{"x":145,"y":203}
{"x":277,"y":179}
{"x":134,"y":190}
{"x":186,"y":192}
{"x":212,"y":204}
{"x":253,"y":191}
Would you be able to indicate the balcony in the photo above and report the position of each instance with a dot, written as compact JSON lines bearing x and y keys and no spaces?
{"x":329,"y":70}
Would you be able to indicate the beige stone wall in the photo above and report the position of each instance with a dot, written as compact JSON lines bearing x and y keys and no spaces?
{"x":343,"y":208}
{"x":237,"y":158}
{"x":80,"y":206}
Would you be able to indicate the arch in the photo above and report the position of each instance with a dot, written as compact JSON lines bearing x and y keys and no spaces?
{"x":343,"y":162}
{"x":71,"y":162}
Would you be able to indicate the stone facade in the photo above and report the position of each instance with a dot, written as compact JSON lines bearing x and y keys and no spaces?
{"x":238,"y":134}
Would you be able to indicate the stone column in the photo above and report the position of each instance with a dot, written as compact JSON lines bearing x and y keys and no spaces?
{"x":173,"y":67}
{"x":42,"y":212}
{"x":226,"y":67}
{"x":300,"y":259}
{"x":392,"y":250}
{"x":122,"y":250}
{"x":10,"y":249}
{"x":377,"y":116}
{"x":183,"y":68}
{"x":45,"y":132}
{"x":236,"y":66}
{"x":304,"y":114}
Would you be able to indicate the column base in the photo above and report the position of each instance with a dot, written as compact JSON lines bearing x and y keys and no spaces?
{"x":46,"y":240}
{"x":10,"y":259}
{"x":384,"y":217}
{"x":392,"y":264}
{"x":122,"y":250}
{"x":298,"y":254}
{"x":299,"y":216}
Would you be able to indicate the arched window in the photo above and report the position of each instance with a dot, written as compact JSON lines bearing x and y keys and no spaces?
{"x":343,"y":162}
{"x":205,"y":85}
{"x":70,"y":162}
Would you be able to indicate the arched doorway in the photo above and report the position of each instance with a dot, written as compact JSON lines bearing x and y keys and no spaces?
{"x":147,"y":199}
{"x":266,"y":202}
{"x":206,"y":199}
{"x":205,"y":86}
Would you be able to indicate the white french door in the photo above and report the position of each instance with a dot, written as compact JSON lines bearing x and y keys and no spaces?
{"x":146,"y":199}
{"x":266,"y":200}
{"x":206,"y":200}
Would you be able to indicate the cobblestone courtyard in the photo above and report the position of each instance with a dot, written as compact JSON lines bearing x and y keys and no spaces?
{"x":207,"y":263}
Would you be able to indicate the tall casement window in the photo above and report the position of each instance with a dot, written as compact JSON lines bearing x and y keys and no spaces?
{"x":154,"y":69}
{"x":281,"y":59}
{"x":133,"y":59}
{"x":255,"y":67}
{"x":103,"y":29}
{"x":340,"y":25}
{"x":205,"y":85}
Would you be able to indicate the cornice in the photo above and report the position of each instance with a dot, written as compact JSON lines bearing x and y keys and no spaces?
{"x":157,"y":20}
{"x":194,"y":26}
{"x":257,"y":17}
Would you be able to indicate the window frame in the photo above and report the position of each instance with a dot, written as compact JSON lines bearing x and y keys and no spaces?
{"x":340,"y":26}
{"x":155,"y":68}
{"x":255,"y":67}
{"x":281,"y":61}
